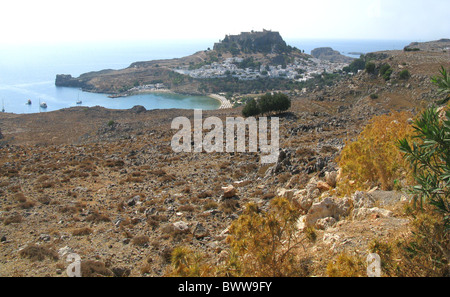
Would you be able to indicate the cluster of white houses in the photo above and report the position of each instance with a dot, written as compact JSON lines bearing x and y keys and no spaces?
{"x":149,"y":87}
{"x":301,"y":69}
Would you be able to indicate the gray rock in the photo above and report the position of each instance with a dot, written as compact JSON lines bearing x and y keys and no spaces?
{"x":374,"y":212}
{"x":200,"y":231}
{"x":328,"y":207}
{"x":181,"y":226}
{"x":133,"y":201}
{"x":362,"y":199}
{"x":44,"y":237}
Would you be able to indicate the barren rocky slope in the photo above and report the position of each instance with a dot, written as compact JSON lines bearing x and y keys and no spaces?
{"x":106,"y":184}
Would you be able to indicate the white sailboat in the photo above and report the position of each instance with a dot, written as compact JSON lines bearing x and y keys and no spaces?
{"x":3,"y":106}
{"x":79,"y":101}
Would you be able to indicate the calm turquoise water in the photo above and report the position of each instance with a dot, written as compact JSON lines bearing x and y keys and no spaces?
{"x":28,"y":72}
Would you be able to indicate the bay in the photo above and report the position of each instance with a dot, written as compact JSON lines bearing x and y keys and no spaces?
{"x":28,"y":71}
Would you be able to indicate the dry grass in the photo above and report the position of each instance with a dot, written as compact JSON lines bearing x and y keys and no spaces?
{"x":38,"y":253}
{"x":141,"y":240}
{"x":82,"y":231}
{"x":13,"y":219}
{"x":97,"y":217}
{"x":92,"y":268}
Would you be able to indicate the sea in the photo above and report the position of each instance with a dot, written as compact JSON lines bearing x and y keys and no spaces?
{"x":28,"y":72}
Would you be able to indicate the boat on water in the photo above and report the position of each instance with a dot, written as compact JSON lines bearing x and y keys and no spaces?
{"x":43,"y":105}
{"x":78,"y":100}
{"x":28,"y":102}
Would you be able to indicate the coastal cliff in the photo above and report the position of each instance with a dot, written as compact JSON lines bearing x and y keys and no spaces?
{"x":327,"y":53}
{"x":253,"y":42}
{"x":250,"y":50}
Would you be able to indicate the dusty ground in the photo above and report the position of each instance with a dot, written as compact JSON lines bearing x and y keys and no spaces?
{"x":107,"y":185}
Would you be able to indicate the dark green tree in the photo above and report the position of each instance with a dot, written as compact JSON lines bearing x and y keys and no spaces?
{"x":370,"y":67}
{"x":251,"y":108}
{"x":386,"y":71}
{"x":267,"y":104}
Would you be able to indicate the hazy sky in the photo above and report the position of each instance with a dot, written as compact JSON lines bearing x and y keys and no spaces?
{"x":24,"y":21}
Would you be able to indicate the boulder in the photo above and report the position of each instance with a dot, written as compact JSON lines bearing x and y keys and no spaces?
{"x":323,"y":186}
{"x":331,"y":178}
{"x":363,"y":199}
{"x":328,"y":207}
{"x":370,"y":213}
{"x":229,"y":192}
{"x":303,"y":199}
{"x":181,"y":226}
{"x":325,"y":223}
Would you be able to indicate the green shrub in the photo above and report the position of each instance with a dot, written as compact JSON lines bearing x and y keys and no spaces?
{"x":386,"y":71}
{"x":429,"y":156}
{"x":251,"y":108}
{"x":358,"y":64}
{"x":370,"y":67}
{"x":443,"y":84}
{"x":404,"y":74}
{"x":267,"y":104}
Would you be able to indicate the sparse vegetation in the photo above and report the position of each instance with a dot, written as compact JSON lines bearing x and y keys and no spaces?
{"x":38,"y":253}
{"x":129,"y":205}
{"x":386,"y":71}
{"x":265,"y":243}
{"x":370,"y":67}
{"x":443,"y":84}
{"x":374,"y":159}
{"x":267,"y":104}
{"x":404,"y":74}
{"x":429,"y":156}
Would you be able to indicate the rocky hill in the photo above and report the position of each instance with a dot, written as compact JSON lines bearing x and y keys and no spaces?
{"x":253,"y":42}
{"x":262,"y":48}
{"x":327,"y":53}
{"x":437,"y":45}
{"x":105,"y":184}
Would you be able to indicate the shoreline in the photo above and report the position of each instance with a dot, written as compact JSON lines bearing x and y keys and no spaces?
{"x":224,"y":102}
{"x":162,"y":91}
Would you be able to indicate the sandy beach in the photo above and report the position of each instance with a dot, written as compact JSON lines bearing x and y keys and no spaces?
{"x":224,"y":102}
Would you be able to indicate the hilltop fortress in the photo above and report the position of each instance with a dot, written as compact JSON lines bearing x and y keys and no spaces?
{"x":253,"y":42}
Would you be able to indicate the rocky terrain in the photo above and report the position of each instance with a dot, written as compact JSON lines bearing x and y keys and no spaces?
{"x":247,"y":56}
{"x":438,"y":45}
{"x":105,"y":184}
